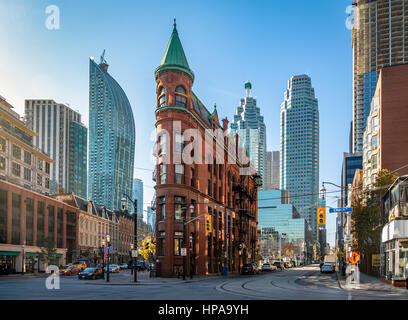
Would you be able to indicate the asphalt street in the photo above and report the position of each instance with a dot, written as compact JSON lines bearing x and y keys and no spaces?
{"x":305,"y":283}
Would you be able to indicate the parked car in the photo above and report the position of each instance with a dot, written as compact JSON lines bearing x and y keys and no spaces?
{"x":91,"y":273}
{"x":268,"y":267}
{"x":326,"y":268}
{"x":140,"y":266}
{"x":279,"y":265}
{"x":113,"y":268}
{"x":248,"y":269}
{"x":123,"y":266}
{"x":80,"y":264}
{"x":70,"y":271}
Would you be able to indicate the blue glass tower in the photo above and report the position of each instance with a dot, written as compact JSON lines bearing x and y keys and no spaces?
{"x":111,"y":139}
{"x":138,"y":195}
{"x":299,"y":150}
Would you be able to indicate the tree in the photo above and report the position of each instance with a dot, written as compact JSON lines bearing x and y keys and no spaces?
{"x":368,"y":221}
{"x":149,"y":249}
{"x":48,"y":252}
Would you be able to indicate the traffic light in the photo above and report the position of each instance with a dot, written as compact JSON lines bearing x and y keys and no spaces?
{"x":321,"y":216}
{"x":208,"y":223}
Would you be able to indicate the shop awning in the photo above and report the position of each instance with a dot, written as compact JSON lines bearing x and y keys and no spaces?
{"x":32,"y":254}
{"x":58,"y":255}
{"x":9,"y":253}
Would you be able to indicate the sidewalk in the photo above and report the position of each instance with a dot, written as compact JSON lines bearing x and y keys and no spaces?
{"x":125,"y":279}
{"x":26,"y":275}
{"x":370,"y":283}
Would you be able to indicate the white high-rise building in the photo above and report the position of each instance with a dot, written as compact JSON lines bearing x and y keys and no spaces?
{"x":299,"y":154}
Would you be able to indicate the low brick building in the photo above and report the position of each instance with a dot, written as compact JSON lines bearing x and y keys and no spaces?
{"x":208,"y":186}
{"x":28,"y":218}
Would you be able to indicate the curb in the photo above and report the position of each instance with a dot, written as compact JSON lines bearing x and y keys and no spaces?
{"x":156,"y":283}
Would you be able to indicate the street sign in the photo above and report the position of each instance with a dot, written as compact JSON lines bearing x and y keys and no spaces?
{"x":348,"y":238}
{"x":337,"y":210}
{"x":376,"y":260}
{"x":134,"y":253}
{"x":183,"y":252}
{"x":355,"y":258}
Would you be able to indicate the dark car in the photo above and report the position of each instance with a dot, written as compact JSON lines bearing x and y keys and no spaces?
{"x":279,"y":265}
{"x":91,"y":273}
{"x":248,"y":269}
{"x":140,"y":265}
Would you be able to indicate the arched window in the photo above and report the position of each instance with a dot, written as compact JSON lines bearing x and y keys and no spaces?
{"x":180,"y":96}
{"x":181,"y":89}
{"x":162,"y":97}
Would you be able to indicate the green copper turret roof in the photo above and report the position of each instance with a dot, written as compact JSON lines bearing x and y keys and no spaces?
{"x":174,"y":58}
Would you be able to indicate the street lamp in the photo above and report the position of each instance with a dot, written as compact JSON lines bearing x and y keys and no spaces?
{"x":323,"y":192}
{"x":23,"y":259}
{"x":103,"y":257}
{"x":191,"y":243}
{"x":124,"y":196}
{"x":108,"y":239}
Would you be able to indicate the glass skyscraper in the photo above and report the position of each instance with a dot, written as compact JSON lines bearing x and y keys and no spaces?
{"x":111,"y":139}
{"x":138,"y":195}
{"x":61,"y":135}
{"x":378,"y":40}
{"x":276,"y":216}
{"x":299,"y":147}
{"x":250,"y":126}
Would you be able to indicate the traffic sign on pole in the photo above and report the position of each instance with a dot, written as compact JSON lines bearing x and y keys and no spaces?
{"x":337,"y":210}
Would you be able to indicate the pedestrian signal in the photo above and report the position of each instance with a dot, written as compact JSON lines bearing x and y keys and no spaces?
{"x":321,"y":216}
{"x":208,"y":223}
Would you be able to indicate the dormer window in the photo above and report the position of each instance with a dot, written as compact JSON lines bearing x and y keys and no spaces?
{"x":181,"y":98}
{"x":162,"y":97}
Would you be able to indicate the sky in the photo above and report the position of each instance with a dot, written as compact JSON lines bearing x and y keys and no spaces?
{"x":226,"y":42}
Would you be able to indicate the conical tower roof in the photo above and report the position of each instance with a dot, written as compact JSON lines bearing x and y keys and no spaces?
{"x":174,"y":58}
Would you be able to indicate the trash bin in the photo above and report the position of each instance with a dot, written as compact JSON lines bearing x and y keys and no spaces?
{"x":224,"y":271}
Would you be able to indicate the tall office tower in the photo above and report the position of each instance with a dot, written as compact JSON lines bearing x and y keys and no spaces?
{"x":63,"y":137}
{"x":272,"y":169}
{"x":299,"y":152}
{"x":111,"y":139}
{"x":379,"y":40}
{"x":249,"y":124}
{"x":151,"y":218}
{"x":137,"y":191}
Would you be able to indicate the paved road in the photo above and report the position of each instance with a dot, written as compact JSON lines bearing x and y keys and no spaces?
{"x":293,"y":284}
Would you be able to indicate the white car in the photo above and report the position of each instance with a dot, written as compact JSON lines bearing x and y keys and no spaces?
{"x":268,"y":267}
{"x":326,"y":268}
